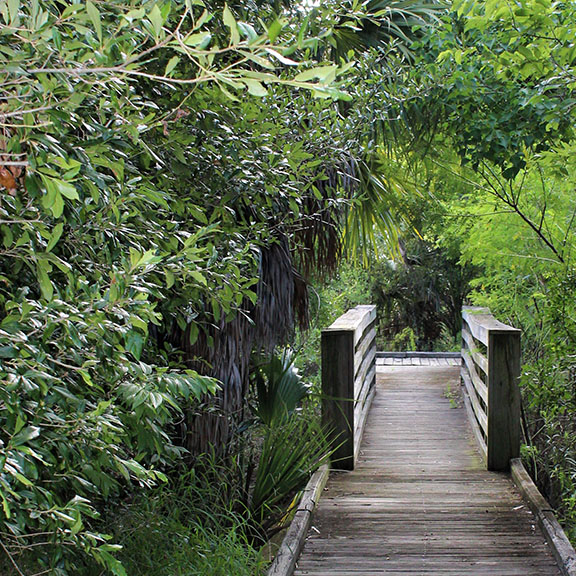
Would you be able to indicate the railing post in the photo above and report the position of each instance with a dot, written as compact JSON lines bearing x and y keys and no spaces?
{"x":503,"y":399}
{"x":348,"y":380}
{"x":490,"y":374}
{"x":338,"y":393}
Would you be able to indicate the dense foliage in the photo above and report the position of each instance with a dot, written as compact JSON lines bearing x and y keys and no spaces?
{"x":171,"y":173}
{"x":134,"y":210}
{"x":175,"y":173}
{"x":492,"y":99}
{"x":488,"y":123}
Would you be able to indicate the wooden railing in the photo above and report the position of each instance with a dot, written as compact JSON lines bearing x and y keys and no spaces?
{"x":348,"y":380}
{"x":490,"y":373}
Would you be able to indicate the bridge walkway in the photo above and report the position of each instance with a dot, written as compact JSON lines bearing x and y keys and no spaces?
{"x":420,"y":501}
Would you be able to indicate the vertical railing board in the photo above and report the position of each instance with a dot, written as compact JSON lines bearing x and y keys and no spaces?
{"x":503,"y":399}
{"x":497,"y":429}
{"x":348,"y":378}
{"x":337,"y":402}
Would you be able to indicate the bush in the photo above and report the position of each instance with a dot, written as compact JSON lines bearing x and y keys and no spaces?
{"x":420,"y":299}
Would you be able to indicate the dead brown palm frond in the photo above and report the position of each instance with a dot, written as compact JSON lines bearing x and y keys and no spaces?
{"x":318,"y":239}
{"x":223,"y":350}
{"x":274,"y":314}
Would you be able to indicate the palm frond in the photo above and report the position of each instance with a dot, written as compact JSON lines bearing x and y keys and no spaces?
{"x":386,"y":21}
{"x":290,"y":455}
{"x":280,"y":389}
{"x":374,"y":218}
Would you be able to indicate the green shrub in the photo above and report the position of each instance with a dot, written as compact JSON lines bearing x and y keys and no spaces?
{"x":195,"y":526}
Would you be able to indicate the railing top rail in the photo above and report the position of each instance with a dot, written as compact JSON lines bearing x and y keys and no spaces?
{"x":348,"y":380}
{"x":482,"y":323}
{"x":356,"y":318}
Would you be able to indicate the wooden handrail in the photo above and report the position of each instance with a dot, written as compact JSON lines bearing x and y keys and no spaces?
{"x":490,"y":374}
{"x":348,"y":380}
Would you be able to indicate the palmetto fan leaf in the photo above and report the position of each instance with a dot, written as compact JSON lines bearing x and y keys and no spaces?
{"x":280,"y":389}
{"x":291,"y":453}
{"x":374,"y":215}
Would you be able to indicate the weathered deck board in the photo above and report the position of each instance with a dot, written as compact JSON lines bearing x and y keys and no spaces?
{"x":419,"y":502}
{"x":412,"y":361}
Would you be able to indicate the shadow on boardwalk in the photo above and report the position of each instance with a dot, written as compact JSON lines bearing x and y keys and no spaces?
{"x":419,"y":501}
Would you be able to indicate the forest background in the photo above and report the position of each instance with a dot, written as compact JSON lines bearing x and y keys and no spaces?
{"x":182,"y":179}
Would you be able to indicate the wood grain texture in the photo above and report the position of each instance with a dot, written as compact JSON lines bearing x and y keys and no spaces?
{"x":338,"y":393}
{"x":419,"y":501}
{"x":503,"y":400}
{"x":481,"y":322}
{"x":348,"y":379}
{"x":285,"y":559}
{"x":557,"y":540}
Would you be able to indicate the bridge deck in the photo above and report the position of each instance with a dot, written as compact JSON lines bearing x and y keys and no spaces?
{"x":419,"y":501}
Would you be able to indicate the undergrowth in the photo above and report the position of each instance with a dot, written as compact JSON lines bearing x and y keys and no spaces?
{"x":194,"y":526}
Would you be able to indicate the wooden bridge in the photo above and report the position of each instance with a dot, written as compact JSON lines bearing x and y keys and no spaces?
{"x":418,"y":495}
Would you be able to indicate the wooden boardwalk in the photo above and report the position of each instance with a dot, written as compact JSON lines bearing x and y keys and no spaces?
{"x":419,"y":501}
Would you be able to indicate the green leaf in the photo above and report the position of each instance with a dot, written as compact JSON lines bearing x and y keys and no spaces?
{"x":66,"y":189}
{"x":204,"y":19}
{"x":135,"y":343}
{"x":22,"y":479}
{"x":86,"y":377}
{"x":322,"y":73}
{"x":200,"y":40}
{"x":170,"y":278}
{"x":46,"y":286}
{"x":8,"y":352}
{"x":5,"y":505}
{"x":136,"y":14}
{"x":199,"y":277}
{"x":230,"y":22}
{"x":20,"y":422}
{"x":282,"y":59}
{"x":156,"y":20}
{"x":172,"y":63}
{"x":13,"y":9}
{"x":248,"y":31}
{"x":274,"y":30}
{"x":255,"y":88}
{"x":25,"y":435}
{"x":95,"y":18}
{"x":193,"y":333}
{"x":263,"y":62}
{"x":55,"y":236}
{"x":57,"y":207}
{"x":135,"y":468}
{"x":228,"y":94}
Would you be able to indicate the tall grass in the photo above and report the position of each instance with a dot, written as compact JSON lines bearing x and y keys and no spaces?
{"x":196,"y":526}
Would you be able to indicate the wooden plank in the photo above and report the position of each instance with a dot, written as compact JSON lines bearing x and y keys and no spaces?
{"x":504,"y":399}
{"x":418,"y":354}
{"x":479,"y":385}
{"x":362,"y":370}
{"x":366,"y":344}
{"x":478,"y":357}
{"x":362,"y":419}
{"x":479,"y":413}
{"x":481,"y":322}
{"x":476,"y":430}
{"x":420,"y":502}
{"x":286,"y":556}
{"x":369,"y":382}
{"x":356,"y":319}
{"x":557,"y":540}
{"x":337,"y":393}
